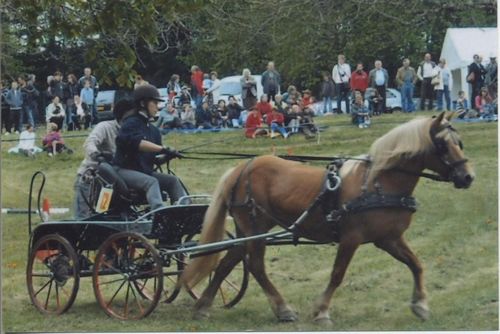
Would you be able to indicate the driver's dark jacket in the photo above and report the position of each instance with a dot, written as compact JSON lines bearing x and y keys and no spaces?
{"x":134,"y":129}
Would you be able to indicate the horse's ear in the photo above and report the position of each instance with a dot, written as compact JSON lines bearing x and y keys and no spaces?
{"x":449,"y":116}
{"x":436,"y":123}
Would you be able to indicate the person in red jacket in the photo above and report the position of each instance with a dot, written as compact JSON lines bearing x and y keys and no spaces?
{"x":197,"y":86}
{"x":276,"y":121}
{"x":306,"y":98}
{"x":264,"y":107}
{"x":359,"y":79}
{"x":253,"y":125}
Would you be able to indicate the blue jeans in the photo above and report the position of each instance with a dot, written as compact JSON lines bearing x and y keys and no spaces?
{"x":439,"y":95}
{"x":407,"y":97}
{"x":28,"y":111}
{"x":342,"y":94}
{"x":327,"y":104}
{"x":279,"y":128}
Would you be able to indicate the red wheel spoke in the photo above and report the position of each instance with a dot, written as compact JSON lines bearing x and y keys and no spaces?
{"x":222,"y":295}
{"x":231,"y":284}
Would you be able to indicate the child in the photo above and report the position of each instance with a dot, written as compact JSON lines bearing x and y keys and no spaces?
{"x":253,"y":125}
{"x":462,"y":107}
{"x":276,"y":121}
{"x":53,"y":142}
{"x":376,"y":103}
{"x":87,"y":94}
{"x":360,"y":113}
{"x":264,"y":107}
{"x":188,"y":119}
{"x":306,"y":98}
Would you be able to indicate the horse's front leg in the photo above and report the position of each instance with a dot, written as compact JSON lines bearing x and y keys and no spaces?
{"x":347,"y":248}
{"x":400,"y":250}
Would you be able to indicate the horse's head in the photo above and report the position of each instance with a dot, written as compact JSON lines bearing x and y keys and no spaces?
{"x":447,"y":157}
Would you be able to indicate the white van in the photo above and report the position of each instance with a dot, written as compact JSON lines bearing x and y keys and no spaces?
{"x":232,"y":86}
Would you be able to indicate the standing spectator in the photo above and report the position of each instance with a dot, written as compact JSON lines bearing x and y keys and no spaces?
{"x":139,"y":81}
{"x":35,"y":109}
{"x":213,"y":91}
{"x":173,"y":88}
{"x":491,"y":78}
{"x":276,"y":121}
{"x":264,"y":107}
{"x":30,"y":96}
{"x":14,"y":98}
{"x":197,"y":86}
{"x":341,"y":74}
{"x":484,"y":103}
{"x":72,"y":89}
{"x":425,"y":72}
{"x":475,"y":77}
{"x":57,"y":86}
{"x":188,"y":118}
{"x":87,"y":96}
{"x":55,"y":112}
{"x":87,"y":75}
{"x":248,"y":89}
{"x":271,"y":81}
{"x":379,"y":78}
{"x":444,"y":86}
{"x":327,"y":93}
{"x":406,"y":78}
{"x":253,"y":125}
{"x":234,"y":112}
{"x":5,"y":110}
{"x":359,"y":79}
{"x":207,"y":84}
{"x":306,"y":98}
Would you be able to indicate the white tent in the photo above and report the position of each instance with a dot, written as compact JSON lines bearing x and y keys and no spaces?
{"x":459,"y":47}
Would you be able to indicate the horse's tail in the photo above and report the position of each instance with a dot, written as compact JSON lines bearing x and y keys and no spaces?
{"x":213,"y":230}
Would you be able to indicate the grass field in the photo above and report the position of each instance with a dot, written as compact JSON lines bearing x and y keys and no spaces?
{"x":454,"y":233}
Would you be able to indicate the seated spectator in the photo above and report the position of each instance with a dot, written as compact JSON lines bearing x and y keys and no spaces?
{"x":375,"y":102}
{"x":279,"y":104}
{"x":264,"y":107}
{"x":80,"y":114}
{"x":485,"y":105}
{"x":306,"y":98}
{"x":54,"y":113}
{"x":253,"y":125}
{"x":223,"y":112}
{"x":306,"y":122}
{"x":53,"y":142}
{"x":168,"y":119}
{"x":462,"y":107}
{"x":292,"y":118}
{"x":203,"y":117}
{"x":360,"y":115}
{"x":188,"y":119}
{"x":184,"y":96}
{"x":26,"y":144}
{"x":292,"y":95}
{"x":234,"y":111}
{"x":215,"y":117}
{"x":276,"y":122}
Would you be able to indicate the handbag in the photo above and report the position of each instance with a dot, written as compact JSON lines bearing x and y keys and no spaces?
{"x":471,"y":77}
{"x":435,"y":80}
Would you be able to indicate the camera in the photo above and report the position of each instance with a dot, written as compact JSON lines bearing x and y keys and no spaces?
{"x":57,"y":111}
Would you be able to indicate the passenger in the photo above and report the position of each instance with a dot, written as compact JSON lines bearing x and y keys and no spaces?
{"x":100,"y":144}
{"x":137,"y":144}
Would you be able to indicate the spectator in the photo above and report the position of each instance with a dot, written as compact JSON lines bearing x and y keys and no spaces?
{"x":341,"y":74}
{"x":444,"y":85}
{"x":207,"y":84}
{"x":5,"y":109}
{"x":406,"y":78}
{"x":87,"y":75}
{"x":185,"y":97}
{"x":168,"y":119}
{"x":26,"y":144}
{"x":425,"y":72}
{"x":292,"y":118}
{"x":87,"y":96}
{"x":375,"y":102}
{"x":491,"y":78}
{"x":173,"y":88}
{"x":379,"y":79}
{"x":14,"y":98}
{"x":80,"y":114}
{"x":215,"y":117}
{"x":53,"y":142}
{"x":264,"y":107}
{"x":36,"y":101}
{"x":276,"y":122}
{"x":72,"y":89}
{"x":197,"y":86}
{"x":462,"y":107}
{"x":57,"y":87}
{"x":306,"y":98}
{"x":253,"y":126}
{"x":234,"y":111}
{"x":55,"y":113}
{"x":213,"y":91}
{"x":188,"y":119}
{"x":484,"y":103}
{"x":327,"y":93}
{"x":360,"y":113}
{"x":359,"y":79}
{"x":475,"y":77}
{"x":271,"y":81}
{"x":139,"y":81}
{"x":224,"y":114}
{"x":30,"y":96}
{"x":280,"y":105}
{"x":292,"y":95}
{"x":306,"y":122}
{"x":248,"y":89}
{"x":203,"y":117}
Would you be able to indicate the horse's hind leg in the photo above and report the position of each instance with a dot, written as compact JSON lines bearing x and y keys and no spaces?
{"x":400,"y":250}
{"x":256,"y":251}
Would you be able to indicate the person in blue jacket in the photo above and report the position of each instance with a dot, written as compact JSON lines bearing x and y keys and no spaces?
{"x":137,"y":145}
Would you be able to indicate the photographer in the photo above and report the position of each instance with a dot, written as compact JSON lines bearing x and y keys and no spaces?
{"x":54,"y":113}
{"x":341,"y":75}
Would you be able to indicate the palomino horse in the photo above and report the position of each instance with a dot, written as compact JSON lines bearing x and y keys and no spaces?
{"x":268,"y":190}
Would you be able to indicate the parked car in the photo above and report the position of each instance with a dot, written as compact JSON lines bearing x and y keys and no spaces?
{"x":164,"y":96}
{"x":231,"y":86}
{"x":393,"y":100}
{"x":105,"y":101}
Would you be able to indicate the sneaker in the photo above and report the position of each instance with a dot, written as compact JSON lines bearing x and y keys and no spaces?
{"x":360,"y":126}
{"x":51,"y":155}
{"x":285,"y":135}
{"x":70,"y":151}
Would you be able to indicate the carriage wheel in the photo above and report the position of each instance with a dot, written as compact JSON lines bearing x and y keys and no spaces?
{"x":232,"y":288}
{"x":128,"y":276}
{"x":52,"y":274}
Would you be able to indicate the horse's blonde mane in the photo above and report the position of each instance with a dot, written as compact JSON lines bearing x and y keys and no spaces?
{"x":403,"y":142}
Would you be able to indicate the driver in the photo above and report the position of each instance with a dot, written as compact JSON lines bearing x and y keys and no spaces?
{"x":137,"y":144}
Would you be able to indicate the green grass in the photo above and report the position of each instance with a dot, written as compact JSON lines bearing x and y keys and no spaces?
{"x":454,"y":233}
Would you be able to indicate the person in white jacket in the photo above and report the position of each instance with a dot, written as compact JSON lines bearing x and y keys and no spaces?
{"x":26,"y":144}
{"x":444,"y":84}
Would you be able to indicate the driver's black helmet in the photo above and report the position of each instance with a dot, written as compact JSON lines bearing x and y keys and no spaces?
{"x":145,"y":93}
{"x":121,"y":107}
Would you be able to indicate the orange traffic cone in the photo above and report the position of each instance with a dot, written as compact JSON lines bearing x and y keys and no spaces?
{"x":45,"y":209}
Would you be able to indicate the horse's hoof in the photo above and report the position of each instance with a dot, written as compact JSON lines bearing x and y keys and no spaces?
{"x":421,"y":310}
{"x":201,"y":315}
{"x":324,"y":321}
{"x":287,"y":316}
